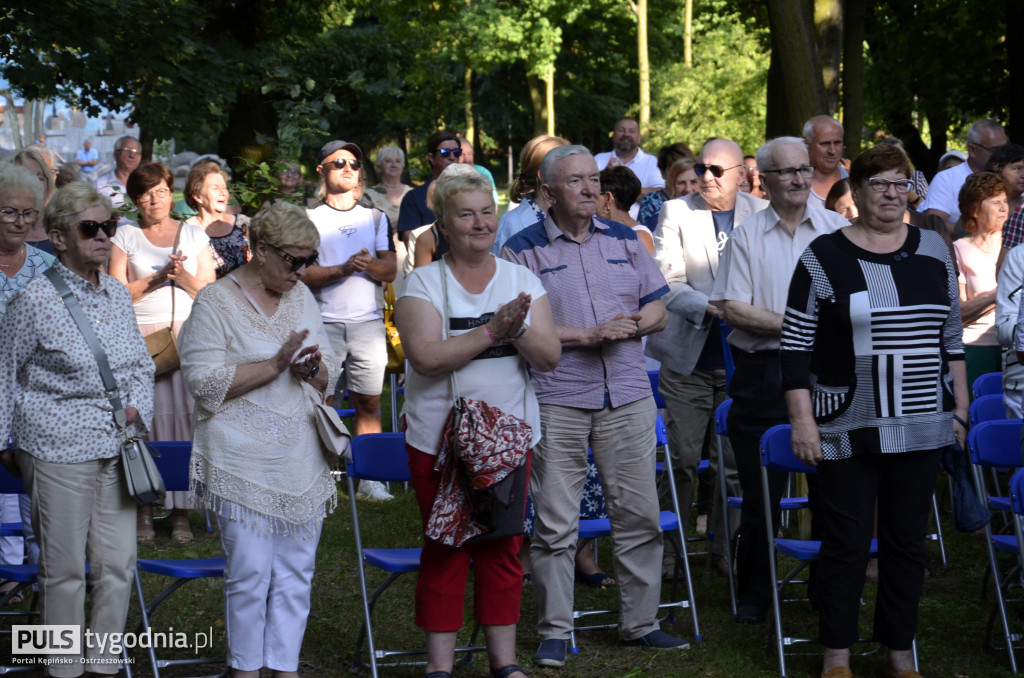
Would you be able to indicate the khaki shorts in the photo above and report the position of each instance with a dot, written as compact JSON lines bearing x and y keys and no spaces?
{"x":363,"y":349}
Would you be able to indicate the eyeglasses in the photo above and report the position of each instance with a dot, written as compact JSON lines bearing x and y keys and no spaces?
{"x":880,"y":185}
{"x":344,"y":162}
{"x":90,"y":228}
{"x":296,"y":262}
{"x":445,"y":152}
{"x":787,"y":173}
{"x":155,"y":194}
{"x":987,"y":148}
{"x":717,"y":170}
{"x":295,"y":173}
{"x":130,"y":152}
{"x":9,"y":215}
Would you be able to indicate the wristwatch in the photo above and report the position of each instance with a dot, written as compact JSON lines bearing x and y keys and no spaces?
{"x":313,"y":372}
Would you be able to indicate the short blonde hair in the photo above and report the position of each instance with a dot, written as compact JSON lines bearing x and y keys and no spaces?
{"x":283,"y":224}
{"x":46,"y":160}
{"x":68,"y":202}
{"x":15,"y":177}
{"x":457,"y":178}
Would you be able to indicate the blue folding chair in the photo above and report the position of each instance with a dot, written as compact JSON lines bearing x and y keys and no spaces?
{"x":382,"y":457}
{"x":722,"y":431}
{"x":777,"y":454}
{"x":996,"y":444}
{"x":24,"y":575}
{"x":987,"y":408}
{"x":173,"y":464}
{"x":990,"y":383}
{"x":592,"y":528}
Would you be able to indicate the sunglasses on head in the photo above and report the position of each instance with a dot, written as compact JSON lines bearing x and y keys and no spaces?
{"x":341,"y":164}
{"x":445,"y":152}
{"x":716,"y":170}
{"x":90,"y":228}
{"x":296,"y":262}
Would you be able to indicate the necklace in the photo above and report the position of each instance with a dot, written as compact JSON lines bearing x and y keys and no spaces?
{"x":16,"y":255}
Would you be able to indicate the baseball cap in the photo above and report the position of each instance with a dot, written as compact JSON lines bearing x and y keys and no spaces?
{"x":335,"y":146}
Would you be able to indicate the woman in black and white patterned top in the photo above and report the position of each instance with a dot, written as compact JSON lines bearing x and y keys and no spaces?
{"x":873,"y":368}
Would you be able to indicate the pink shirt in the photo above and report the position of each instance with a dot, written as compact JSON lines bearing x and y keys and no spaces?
{"x":978,"y":273}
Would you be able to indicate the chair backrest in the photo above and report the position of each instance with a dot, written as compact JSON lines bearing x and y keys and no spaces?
{"x":987,"y":408}
{"x":379,"y":456}
{"x":660,"y":432}
{"x":995,"y":443}
{"x":990,"y":383}
{"x":777,"y":451}
{"x":1017,"y":491}
{"x":654,"y":376}
{"x":721,"y":414}
{"x":730,"y":364}
{"x":173,"y":462}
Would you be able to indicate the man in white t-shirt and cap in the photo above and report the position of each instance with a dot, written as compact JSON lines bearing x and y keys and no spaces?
{"x":356,"y":256}
{"x":627,"y":151}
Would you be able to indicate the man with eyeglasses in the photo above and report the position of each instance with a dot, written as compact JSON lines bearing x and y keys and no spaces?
{"x":823,"y":135}
{"x":443,"y":149}
{"x":752,"y":285}
{"x":113,"y":184}
{"x":692,"y":231}
{"x":943,"y":196}
{"x":626,"y":151}
{"x":356,"y":256}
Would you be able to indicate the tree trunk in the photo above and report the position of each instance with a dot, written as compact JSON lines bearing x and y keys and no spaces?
{"x":799,"y":92}
{"x":688,"y":35}
{"x":828,"y":28}
{"x":12,"y":118}
{"x":853,"y":75}
{"x":1014,"y":53}
{"x":643,"y":63}
{"x":540,"y":114}
{"x":549,"y":99}
{"x":467,"y":86}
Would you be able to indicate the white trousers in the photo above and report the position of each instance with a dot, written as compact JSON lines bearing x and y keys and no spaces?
{"x":267,"y":583}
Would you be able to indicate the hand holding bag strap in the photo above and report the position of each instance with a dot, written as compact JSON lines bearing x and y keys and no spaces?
{"x":174,"y":250}
{"x":75,"y":309}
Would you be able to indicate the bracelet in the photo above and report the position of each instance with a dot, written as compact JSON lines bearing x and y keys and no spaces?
{"x":490,"y":333}
{"x":960,"y":421}
{"x":521,"y":332}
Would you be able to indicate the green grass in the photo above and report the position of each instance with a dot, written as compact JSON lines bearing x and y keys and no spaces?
{"x":950,"y":636}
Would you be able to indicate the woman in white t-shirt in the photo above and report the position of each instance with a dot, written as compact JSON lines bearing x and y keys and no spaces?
{"x":499,"y":320}
{"x":156,"y":272}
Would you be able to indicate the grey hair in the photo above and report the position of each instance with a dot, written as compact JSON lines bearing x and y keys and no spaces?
{"x":809,"y":126}
{"x":388,"y":152}
{"x":457,"y":178}
{"x":69,"y":201}
{"x":979,"y":128}
{"x":119,"y":144}
{"x":283,"y":224}
{"x":47,"y":161}
{"x":765,"y":155}
{"x":14,"y":177}
{"x":547,"y":165}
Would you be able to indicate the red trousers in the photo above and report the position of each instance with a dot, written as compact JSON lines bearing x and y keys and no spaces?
{"x":441,"y":588}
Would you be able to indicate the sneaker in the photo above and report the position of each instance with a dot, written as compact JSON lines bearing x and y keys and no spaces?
{"x":371,"y":490}
{"x":551,"y":652}
{"x":658,"y":639}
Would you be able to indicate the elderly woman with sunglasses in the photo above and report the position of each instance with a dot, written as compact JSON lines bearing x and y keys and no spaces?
{"x":164,"y":263}
{"x":55,"y":406}
{"x":257,"y":360}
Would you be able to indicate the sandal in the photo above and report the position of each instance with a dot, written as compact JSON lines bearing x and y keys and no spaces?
{"x":596,"y":580}
{"x":16,"y":599}
{"x":506,"y":671}
{"x":181,"y":531}
{"x":144,"y":531}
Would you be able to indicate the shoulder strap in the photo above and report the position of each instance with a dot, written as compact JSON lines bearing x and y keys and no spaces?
{"x":109,"y":383}
{"x":445,"y":322}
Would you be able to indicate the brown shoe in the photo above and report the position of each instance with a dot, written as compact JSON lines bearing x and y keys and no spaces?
{"x":838,"y":672}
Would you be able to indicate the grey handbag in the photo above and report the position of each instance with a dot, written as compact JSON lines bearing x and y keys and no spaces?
{"x":143,"y":479}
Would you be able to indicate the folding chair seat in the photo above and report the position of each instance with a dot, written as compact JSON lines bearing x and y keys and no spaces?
{"x":383,"y":457}
{"x":591,"y":528}
{"x":777,"y":454}
{"x":996,"y":444}
{"x":173,"y":464}
{"x":990,"y":383}
{"x":987,"y":408}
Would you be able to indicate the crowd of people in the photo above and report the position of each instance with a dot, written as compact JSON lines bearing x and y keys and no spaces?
{"x":846,"y":313}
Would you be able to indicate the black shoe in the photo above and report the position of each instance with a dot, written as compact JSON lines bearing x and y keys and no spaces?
{"x":751,"y":614}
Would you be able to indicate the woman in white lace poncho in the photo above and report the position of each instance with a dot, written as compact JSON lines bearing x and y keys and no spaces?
{"x":250,"y":353}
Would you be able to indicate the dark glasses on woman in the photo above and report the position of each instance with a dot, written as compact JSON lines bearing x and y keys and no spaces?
{"x":445,"y":152}
{"x":90,"y":228}
{"x":717,"y":170}
{"x":340,"y":164}
{"x":296,"y":262}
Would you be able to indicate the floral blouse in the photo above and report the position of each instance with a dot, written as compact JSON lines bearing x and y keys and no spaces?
{"x":232,"y":250}
{"x":36,"y":261}
{"x":51,"y":393}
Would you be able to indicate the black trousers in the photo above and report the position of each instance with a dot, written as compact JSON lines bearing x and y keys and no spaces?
{"x":757,"y":405}
{"x":902,"y":484}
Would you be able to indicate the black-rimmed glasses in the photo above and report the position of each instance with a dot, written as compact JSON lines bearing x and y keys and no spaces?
{"x":787,"y":173}
{"x":716,"y":170}
{"x":296,"y":262}
{"x":880,"y":185}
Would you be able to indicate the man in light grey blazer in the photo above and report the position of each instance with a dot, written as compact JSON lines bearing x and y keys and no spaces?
{"x":692,"y":232}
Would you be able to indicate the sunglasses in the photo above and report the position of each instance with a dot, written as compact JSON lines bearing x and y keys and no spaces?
{"x":90,"y":228}
{"x":445,"y":152}
{"x":717,"y":170}
{"x":296,"y":262}
{"x":344,"y":162}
